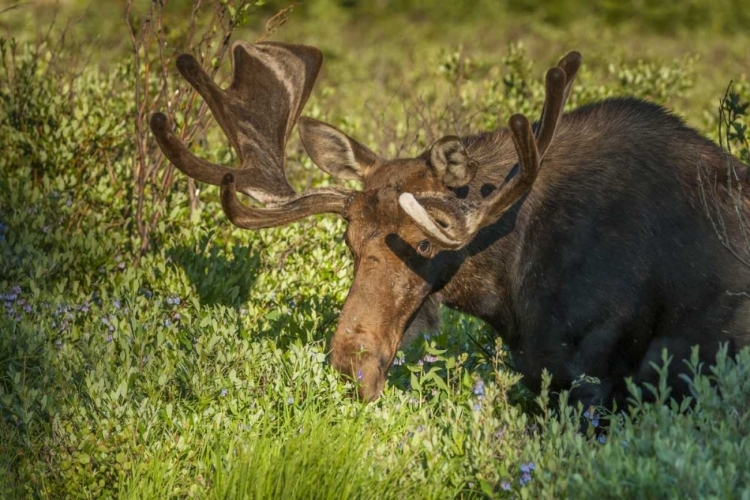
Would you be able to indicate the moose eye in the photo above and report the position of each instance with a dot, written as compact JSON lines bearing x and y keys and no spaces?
{"x":423,"y":247}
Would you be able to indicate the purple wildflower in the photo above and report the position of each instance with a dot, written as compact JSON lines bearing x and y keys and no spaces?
{"x":505,"y":486}
{"x":527,"y":467}
{"x":593,"y":416}
{"x":116,"y":303}
{"x":167,"y":323}
{"x":479,"y":388}
{"x":602,"y":439}
{"x":109,"y":338}
{"x":121,"y":266}
{"x":525,"y":478}
{"x":429,"y":358}
{"x":360,"y":375}
{"x":224,"y":393}
{"x":398,"y":361}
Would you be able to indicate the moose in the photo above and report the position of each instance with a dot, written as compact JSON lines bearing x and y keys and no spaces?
{"x":590,"y":240}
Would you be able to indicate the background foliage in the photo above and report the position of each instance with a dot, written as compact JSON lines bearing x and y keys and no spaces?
{"x":195,"y":366}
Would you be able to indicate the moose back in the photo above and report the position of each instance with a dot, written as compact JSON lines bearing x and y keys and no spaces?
{"x":590,"y":240}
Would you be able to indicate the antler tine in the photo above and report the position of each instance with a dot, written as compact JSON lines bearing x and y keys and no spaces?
{"x":558,"y":83}
{"x":270,"y":85}
{"x":552,"y":109}
{"x":529,"y":160}
{"x":180,"y":156}
{"x":570,"y":63}
{"x":306,"y":204}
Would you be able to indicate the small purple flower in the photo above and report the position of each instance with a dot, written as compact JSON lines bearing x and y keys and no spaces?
{"x":16,"y":289}
{"x":167,"y":323}
{"x":499,"y":432}
{"x":505,"y":486}
{"x":360,"y":375}
{"x":398,"y":361}
{"x":27,"y":308}
{"x":429,"y":358}
{"x":147,"y":294}
{"x":479,"y":388}
{"x":593,"y":416}
{"x":116,"y":303}
{"x":602,"y":439}
{"x":527,"y":467}
{"x":224,"y":393}
{"x":525,"y":478}
{"x":176,"y":316}
{"x":477,"y":406}
{"x":121,"y":266}
{"x":290,"y":400}
{"x":109,"y":338}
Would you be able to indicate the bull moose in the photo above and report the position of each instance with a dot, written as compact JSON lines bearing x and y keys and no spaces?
{"x":590,"y":240}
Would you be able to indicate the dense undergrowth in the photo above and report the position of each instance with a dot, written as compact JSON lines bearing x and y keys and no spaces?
{"x":198,"y":368}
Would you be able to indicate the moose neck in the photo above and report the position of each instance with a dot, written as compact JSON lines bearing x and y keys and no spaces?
{"x":483,"y":284}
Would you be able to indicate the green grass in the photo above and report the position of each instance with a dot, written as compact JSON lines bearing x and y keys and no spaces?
{"x":198,"y":369}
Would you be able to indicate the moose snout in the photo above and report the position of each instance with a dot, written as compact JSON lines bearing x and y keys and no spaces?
{"x":357,"y":356}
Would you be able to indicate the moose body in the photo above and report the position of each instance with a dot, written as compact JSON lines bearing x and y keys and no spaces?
{"x":587,"y":241}
{"x":610,"y":258}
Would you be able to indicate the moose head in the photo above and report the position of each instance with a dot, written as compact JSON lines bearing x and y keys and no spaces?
{"x":411,"y":225}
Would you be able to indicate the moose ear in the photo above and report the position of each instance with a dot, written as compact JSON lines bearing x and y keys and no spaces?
{"x":451,"y":163}
{"x":335,"y":152}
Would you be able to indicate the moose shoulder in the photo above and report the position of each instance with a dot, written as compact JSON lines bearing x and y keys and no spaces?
{"x":588,"y":240}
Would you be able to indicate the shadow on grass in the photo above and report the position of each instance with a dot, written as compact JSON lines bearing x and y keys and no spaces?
{"x":217,"y":278}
